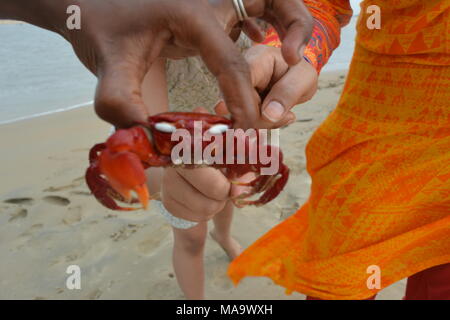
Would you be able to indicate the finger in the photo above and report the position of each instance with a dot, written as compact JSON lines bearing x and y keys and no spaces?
{"x":289,"y":118}
{"x":208,"y":181}
{"x":221,"y":109}
{"x":250,"y":28}
{"x":200,"y":110}
{"x":284,"y":95}
{"x":118,"y":98}
{"x":297,"y":23}
{"x":294,"y":24}
{"x":226,"y":63}
{"x":253,"y":30}
{"x":235,"y":33}
{"x":287,"y":92}
{"x":266,"y":65}
{"x":175,"y":187}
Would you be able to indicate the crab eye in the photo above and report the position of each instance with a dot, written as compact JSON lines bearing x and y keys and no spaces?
{"x":218,"y":129}
{"x":165,"y":127}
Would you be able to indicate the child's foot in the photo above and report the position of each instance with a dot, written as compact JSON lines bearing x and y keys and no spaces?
{"x":231,"y":247}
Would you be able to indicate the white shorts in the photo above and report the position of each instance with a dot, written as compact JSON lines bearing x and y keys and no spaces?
{"x":176,"y":222}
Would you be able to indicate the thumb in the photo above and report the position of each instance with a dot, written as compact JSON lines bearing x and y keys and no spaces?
{"x":118,"y":98}
{"x":289,"y":91}
{"x":297,"y":23}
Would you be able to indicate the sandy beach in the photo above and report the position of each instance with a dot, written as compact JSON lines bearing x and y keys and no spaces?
{"x":10,"y":22}
{"x":49,"y":220}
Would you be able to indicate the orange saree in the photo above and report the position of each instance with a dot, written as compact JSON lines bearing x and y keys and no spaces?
{"x":380,"y":163}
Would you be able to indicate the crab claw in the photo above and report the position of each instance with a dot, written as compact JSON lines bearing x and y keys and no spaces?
{"x":125,"y":173}
{"x":98,"y":185}
{"x":117,"y":169}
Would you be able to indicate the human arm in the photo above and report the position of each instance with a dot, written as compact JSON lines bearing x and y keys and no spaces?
{"x":119,"y":40}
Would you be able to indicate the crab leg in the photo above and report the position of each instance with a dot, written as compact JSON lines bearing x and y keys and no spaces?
{"x":271,"y":186}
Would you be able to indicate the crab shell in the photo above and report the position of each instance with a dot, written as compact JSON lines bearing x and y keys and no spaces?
{"x":117,"y":167}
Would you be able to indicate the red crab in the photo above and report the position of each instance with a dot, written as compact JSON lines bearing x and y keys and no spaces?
{"x":117,"y":167}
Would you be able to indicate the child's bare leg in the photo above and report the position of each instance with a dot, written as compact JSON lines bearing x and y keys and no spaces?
{"x":222,"y":232}
{"x":188,"y":252}
{"x":154,"y":88}
{"x":154,"y":94}
{"x":189,"y":244}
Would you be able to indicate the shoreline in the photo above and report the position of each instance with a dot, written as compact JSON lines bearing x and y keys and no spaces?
{"x":11,"y":22}
{"x":329,"y":74}
{"x":47,"y":113}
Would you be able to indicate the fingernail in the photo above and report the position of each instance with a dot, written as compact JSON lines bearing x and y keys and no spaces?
{"x":274,"y":111}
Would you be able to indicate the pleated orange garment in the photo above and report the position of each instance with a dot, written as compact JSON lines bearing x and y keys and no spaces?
{"x":380,"y":165}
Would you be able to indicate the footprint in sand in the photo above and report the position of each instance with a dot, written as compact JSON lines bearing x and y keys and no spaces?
{"x":69,"y":258}
{"x":75,"y":183}
{"x":125,"y":232}
{"x":80,"y":150}
{"x":64,"y":259}
{"x":19,"y":214}
{"x":286,"y":212}
{"x":73,"y":256}
{"x":221,"y":281}
{"x":110,"y":216}
{"x":24,"y":201}
{"x":95,"y":294}
{"x":81,"y":193}
{"x":296,"y":168}
{"x":165,"y":289}
{"x":57,"y":200}
{"x":154,"y":241}
{"x":32,"y":230}
{"x":304,"y":120}
{"x":293,"y":203}
{"x":73,"y":215}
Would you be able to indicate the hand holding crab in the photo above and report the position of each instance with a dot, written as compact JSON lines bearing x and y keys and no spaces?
{"x":117,"y":167}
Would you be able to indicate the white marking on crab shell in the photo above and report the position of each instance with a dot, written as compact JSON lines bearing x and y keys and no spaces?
{"x":218,"y":128}
{"x":165,"y":127}
{"x":177,"y":161}
{"x":208,"y":162}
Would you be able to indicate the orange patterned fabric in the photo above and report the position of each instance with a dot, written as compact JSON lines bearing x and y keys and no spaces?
{"x":412,"y":30}
{"x":329,"y":17}
{"x":380,"y":167}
